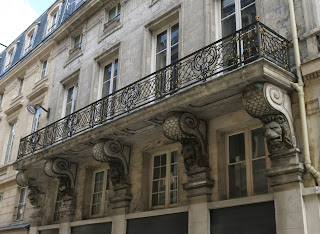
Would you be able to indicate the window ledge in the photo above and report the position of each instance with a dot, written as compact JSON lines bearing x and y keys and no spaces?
{"x":13,"y":112}
{"x":110,"y":27}
{"x":17,"y":98}
{"x":75,"y":50}
{"x":38,"y":91}
{"x":75,"y":54}
{"x":40,"y":83}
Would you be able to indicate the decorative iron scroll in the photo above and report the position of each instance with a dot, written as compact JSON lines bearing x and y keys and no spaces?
{"x":185,"y":128}
{"x":117,"y":156}
{"x":272,"y":106}
{"x":253,"y":42}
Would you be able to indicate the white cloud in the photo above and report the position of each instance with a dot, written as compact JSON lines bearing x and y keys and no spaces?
{"x":15,"y":17}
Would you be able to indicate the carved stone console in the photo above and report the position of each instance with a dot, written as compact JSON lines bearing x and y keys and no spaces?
{"x":117,"y":156}
{"x":66,"y":172}
{"x":35,"y":196}
{"x":272,"y":106}
{"x":192,"y":134}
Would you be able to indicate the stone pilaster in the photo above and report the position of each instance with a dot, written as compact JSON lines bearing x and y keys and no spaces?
{"x":191,"y":133}
{"x":272,"y":106}
{"x":117,"y":156}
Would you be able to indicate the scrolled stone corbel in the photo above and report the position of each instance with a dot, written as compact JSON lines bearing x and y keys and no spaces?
{"x":186,"y":128}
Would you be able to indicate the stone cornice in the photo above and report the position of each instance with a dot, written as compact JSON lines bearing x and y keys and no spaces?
{"x":312,"y":76}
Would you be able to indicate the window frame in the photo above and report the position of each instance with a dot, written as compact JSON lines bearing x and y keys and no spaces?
{"x":36,"y":120}
{"x":248,"y":160}
{"x":10,"y":56}
{"x":20,"y":88}
{"x":168,"y":151}
{"x":1,"y":99}
{"x":23,"y":203}
{"x":117,"y":15}
{"x":74,"y":100}
{"x":10,"y":143}
{"x":57,"y":204}
{"x":105,"y":192}
{"x":111,"y":61}
{"x":79,"y":44}
{"x":166,"y":28}
{"x":44,"y":70}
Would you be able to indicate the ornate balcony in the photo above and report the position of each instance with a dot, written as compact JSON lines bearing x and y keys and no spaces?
{"x":254,"y":42}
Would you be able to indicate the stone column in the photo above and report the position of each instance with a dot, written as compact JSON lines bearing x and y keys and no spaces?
{"x":272,"y":106}
{"x":117,"y":156}
{"x":192,"y":134}
{"x":66,"y":172}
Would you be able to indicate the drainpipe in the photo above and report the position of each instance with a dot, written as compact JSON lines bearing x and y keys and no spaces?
{"x":299,"y":87}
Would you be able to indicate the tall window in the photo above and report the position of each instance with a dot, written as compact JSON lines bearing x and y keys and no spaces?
{"x":71,"y":99}
{"x":165,"y":179}
{"x":77,"y":41}
{"x":10,"y":56}
{"x":10,"y":143}
{"x":21,"y":81}
{"x":236,"y":14}
{"x":246,"y":163}
{"x":36,"y":120}
{"x":167,"y":44}
{"x":44,"y":70}
{"x":114,"y":12}
{"x":21,"y":204}
{"x":1,"y":100}
{"x":30,"y":39}
{"x":56,"y":213}
{"x":109,"y":83}
{"x":100,"y":193}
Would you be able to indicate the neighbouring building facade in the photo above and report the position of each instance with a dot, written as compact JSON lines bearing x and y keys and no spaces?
{"x":162,"y":117}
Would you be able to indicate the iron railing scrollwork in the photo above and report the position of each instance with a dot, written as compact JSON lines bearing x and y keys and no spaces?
{"x":242,"y":47}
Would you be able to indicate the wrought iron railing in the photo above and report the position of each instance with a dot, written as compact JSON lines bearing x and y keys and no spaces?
{"x":242,"y":47}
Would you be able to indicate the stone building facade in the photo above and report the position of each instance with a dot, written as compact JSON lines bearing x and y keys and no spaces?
{"x":165,"y":117}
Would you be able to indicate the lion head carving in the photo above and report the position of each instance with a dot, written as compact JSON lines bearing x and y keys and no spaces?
{"x":277,"y":133}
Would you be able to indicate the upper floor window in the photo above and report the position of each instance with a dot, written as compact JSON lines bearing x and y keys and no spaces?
{"x":44,"y":69}
{"x":100,"y":193}
{"x":21,"y":207}
{"x":21,"y":82}
{"x":246,"y":163}
{"x":164,"y":179}
{"x":77,"y":41}
{"x":114,"y":12}
{"x":1,"y":100}
{"x":236,"y":14}
{"x":10,"y":143}
{"x":166,"y":46}
{"x":36,"y":120}
{"x":30,"y":36}
{"x":53,"y":15}
{"x":9,"y":57}
{"x":109,"y":82}
{"x":71,"y":99}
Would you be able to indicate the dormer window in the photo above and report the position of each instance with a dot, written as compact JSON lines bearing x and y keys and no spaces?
{"x":10,"y":55}
{"x":30,"y":36}
{"x":53,"y":14}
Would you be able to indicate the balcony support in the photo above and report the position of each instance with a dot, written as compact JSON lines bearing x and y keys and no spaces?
{"x":66,"y":172}
{"x":35,"y":195}
{"x":272,"y":106}
{"x":117,"y":156}
{"x":192,"y":134}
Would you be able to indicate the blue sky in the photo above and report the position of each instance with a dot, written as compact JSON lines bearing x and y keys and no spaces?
{"x":40,"y":6}
{"x":17,"y":15}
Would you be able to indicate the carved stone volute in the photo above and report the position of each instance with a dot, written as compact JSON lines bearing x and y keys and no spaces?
{"x":117,"y":156}
{"x":65,"y":171}
{"x":272,"y":106}
{"x":191,"y":133}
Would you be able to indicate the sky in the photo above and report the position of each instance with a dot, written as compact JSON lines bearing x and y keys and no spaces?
{"x":17,"y":15}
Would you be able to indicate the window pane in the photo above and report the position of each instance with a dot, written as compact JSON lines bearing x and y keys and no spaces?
{"x":107,"y":72}
{"x":112,"y":13}
{"x":174,"y":34}
{"x":163,"y":159}
{"x":248,"y":15}
{"x":227,"y":8}
{"x":162,"y":41}
{"x":161,"y":60}
{"x":156,"y":173}
{"x":257,"y":143}
{"x":237,"y":180}
{"x":68,"y":108}
{"x":174,"y":157}
{"x":174,"y":54}
{"x":77,"y":40}
{"x":105,"y":89}
{"x":228,"y":26}
{"x":174,"y":170}
{"x":246,"y":2}
{"x":162,"y":198}
{"x":162,"y":185}
{"x":259,"y":178}
{"x":156,"y":161}
{"x":155,"y":185}
{"x":155,"y":199}
{"x":173,"y":197}
{"x":236,"y":148}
